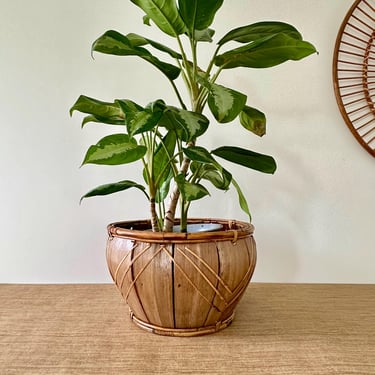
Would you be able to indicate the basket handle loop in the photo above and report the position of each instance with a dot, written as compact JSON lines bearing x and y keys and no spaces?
{"x":235,"y":236}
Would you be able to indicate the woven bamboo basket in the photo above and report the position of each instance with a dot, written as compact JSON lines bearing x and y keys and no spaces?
{"x":181,"y":284}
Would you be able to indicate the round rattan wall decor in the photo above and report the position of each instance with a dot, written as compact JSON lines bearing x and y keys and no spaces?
{"x":354,"y":72}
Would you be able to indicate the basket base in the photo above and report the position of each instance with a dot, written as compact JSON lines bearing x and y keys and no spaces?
{"x":181,"y":332}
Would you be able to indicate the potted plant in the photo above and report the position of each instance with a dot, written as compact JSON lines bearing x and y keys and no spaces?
{"x":176,"y":279}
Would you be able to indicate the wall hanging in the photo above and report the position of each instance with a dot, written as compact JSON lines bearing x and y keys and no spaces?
{"x":354,"y":72}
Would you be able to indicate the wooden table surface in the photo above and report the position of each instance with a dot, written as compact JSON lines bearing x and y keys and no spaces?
{"x":302,"y":329}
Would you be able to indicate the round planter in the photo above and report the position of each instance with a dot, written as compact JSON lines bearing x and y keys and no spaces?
{"x":181,"y":284}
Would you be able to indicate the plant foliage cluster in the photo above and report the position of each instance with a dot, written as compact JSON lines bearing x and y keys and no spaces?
{"x":164,"y":138}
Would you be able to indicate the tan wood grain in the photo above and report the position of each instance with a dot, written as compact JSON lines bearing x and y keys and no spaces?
{"x":196,"y":267}
{"x":284,"y":329}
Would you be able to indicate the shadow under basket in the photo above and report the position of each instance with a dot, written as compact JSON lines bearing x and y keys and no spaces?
{"x":181,"y":284}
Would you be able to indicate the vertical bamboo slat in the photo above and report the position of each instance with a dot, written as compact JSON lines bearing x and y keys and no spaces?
{"x":195,"y":281}
{"x":119,"y":260}
{"x":181,"y":284}
{"x":153,"y":272}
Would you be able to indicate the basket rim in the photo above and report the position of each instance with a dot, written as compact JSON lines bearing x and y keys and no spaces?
{"x":233,"y":230}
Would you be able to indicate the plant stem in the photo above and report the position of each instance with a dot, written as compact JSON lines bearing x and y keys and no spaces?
{"x":154,"y":216}
{"x":178,"y":95}
{"x":214,"y":77}
{"x":175,"y":195}
{"x":184,"y":212}
{"x":171,"y":212}
{"x":149,"y":140}
{"x":212,"y":62}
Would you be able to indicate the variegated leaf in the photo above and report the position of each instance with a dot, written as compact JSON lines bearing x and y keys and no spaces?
{"x":165,"y":15}
{"x":189,"y":191}
{"x":99,"y":111}
{"x":225,"y":104}
{"x":254,"y":120}
{"x":114,"y":43}
{"x":187,"y":124}
{"x":139,"y":120}
{"x":114,"y":150}
{"x":200,"y":154}
{"x":138,"y":41}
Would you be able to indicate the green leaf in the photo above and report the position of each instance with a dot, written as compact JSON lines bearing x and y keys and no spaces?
{"x":114,"y":150}
{"x":114,"y":188}
{"x":138,"y":119}
{"x":129,"y":108}
{"x":102,"y":120}
{"x":204,"y":35}
{"x":241,"y":198}
{"x":163,"y":158}
{"x":221,"y":178}
{"x":204,"y":166}
{"x":259,"y":30}
{"x":247,"y":158}
{"x":104,"y":112}
{"x":216,"y":174}
{"x":161,"y":169}
{"x":266,"y":52}
{"x":187,"y":124}
{"x":224,"y":103}
{"x":165,"y":15}
{"x":114,"y":43}
{"x":138,"y":40}
{"x":253,"y":120}
{"x":200,"y":154}
{"x":198,"y":14}
{"x":189,"y":191}
{"x":163,"y":190}
{"x":146,"y":20}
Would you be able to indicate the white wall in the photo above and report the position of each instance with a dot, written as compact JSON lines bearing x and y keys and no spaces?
{"x":314,"y":218}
